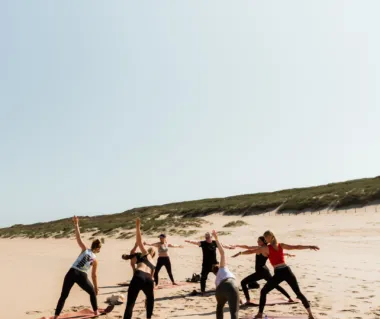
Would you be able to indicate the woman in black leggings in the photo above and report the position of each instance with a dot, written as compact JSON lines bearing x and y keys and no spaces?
{"x":262,"y":271}
{"x":142,"y":277}
{"x":78,"y":272}
{"x":282,"y":272}
{"x":163,"y":257}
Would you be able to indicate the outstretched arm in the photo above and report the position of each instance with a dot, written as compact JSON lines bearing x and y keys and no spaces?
{"x":194,"y":242}
{"x":153,"y":245}
{"x":258,"y":250}
{"x":139,"y":238}
{"x":221,"y":250}
{"x":77,"y":234}
{"x":228,"y":246}
{"x":175,"y":246}
{"x":298,"y":247}
{"x":246,"y":246}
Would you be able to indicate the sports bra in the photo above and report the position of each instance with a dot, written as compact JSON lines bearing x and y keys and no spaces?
{"x":143,"y":259}
{"x":84,"y":261}
{"x":276,"y":257}
{"x":163,"y":249}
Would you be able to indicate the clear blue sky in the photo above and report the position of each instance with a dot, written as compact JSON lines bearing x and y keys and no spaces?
{"x":106,"y":106}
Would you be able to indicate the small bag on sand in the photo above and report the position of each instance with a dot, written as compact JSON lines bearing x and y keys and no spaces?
{"x":116,"y":299}
{"x":194,"y":278}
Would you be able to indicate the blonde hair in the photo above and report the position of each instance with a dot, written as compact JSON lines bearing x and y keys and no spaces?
{"x":151,"y":251}
{"x":273,"y":241}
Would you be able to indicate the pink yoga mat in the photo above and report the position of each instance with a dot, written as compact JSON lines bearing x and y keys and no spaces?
{"x":278,"y":317}
{"x":166,"y":285}
{"x":82,"y":314}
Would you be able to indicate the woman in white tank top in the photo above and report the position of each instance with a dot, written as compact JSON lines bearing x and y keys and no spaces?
{"x":78,"y":272}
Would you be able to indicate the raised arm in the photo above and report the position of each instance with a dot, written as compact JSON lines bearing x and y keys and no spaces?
{"x":221,"y":250}
{"x":194,"y":242}
{"x":77,"y":234}
{"x":139,"y":238}
{"x":133,"y":249}
{"x":298,"y":247}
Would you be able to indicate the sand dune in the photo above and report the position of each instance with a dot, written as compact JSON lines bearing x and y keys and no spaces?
{"x":342,"y":280}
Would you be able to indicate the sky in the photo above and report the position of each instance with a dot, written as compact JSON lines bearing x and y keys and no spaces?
{"x":106,"y":106}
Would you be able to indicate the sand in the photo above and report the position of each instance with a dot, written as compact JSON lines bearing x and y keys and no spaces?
{"x":342,"y":280}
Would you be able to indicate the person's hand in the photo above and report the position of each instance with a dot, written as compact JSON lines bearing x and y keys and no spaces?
{"x":138,"y":222}
{"x":76,"y":220}
{"x":144,"y":242}
{"x":214,"y":233}
{"x":187,"y":241}
{"x":314,"y":247}
{"x":96,"y":290}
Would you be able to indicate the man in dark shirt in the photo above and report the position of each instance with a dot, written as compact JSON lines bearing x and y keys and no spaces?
{"x":209,"y":248}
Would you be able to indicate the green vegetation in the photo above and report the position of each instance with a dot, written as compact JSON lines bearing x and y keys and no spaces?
{"x":236,"y":223}
{"x":184,"y":218}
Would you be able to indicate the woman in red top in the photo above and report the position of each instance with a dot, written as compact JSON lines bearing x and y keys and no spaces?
{"x":282,"y":272}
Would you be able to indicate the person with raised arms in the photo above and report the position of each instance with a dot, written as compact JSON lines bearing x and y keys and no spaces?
{"x":226,"y":288}
{"x":78,"y":272}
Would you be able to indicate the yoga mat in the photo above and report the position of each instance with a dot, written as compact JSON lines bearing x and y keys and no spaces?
{"x":82,"y":314}
{"x":123,"y":284}
{"x":166,"y":285}
{"x":279,"y":317}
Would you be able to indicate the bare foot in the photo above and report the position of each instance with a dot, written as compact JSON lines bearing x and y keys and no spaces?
{"x":96,"y":313}
{"x":290,"y":300}
{"x":258,"y":316}
{"x":175,"y":284}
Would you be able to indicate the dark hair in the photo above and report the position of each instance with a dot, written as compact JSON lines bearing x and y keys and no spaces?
{"x":96,"y":244}
{"x":215,"y":268}
{"x":262,"y":238}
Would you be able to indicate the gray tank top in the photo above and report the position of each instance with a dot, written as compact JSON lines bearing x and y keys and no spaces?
{"x":163,"y":249}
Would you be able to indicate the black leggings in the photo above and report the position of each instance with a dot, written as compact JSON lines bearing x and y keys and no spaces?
{"x":280,"y":275}
{"x":140,"y":281}
{"x":206,"y":269}
{"x":163,"y":261}
{"x":76,"y":276}
{"x":261,"y":273}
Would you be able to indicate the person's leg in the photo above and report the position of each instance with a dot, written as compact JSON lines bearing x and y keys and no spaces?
{"x":267,"y":276}
{"x":247,"y":280}
{"x":159,"y":265}
{"x":168,"y":267}
{"x":291,"y":279}
{"x":204,"y":274}
{"x":148,"y":289}
{"x":87,"y":286}
{"x":233,"y":298}
{"x":221,"y":299}
{"x":269,"y":286}
{"x":133,"y":291}
{"x":68,"y":283}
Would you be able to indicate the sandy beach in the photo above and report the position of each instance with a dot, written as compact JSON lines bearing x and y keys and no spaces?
{"x":342,"y":280}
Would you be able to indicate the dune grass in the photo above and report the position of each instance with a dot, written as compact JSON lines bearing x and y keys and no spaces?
{"x":185,"y":217}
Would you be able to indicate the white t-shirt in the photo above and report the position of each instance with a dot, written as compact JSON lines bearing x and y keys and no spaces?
{"x":84,"y":261}
{"x":223,"y":273}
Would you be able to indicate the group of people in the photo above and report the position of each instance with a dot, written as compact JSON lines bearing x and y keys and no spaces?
{"x":145,"y":273}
